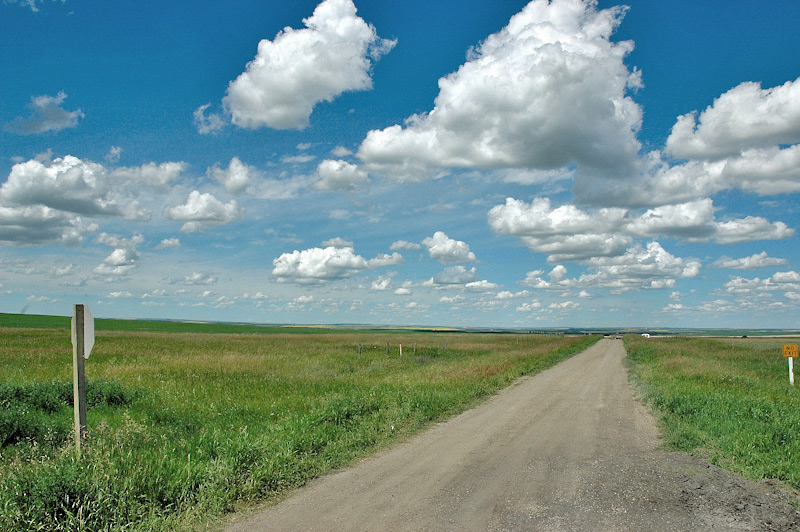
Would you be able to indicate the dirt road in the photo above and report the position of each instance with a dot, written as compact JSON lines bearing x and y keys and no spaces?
{"x":567,"y":450}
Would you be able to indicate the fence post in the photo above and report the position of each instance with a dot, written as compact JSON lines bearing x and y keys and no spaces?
{"x":79,"y":375}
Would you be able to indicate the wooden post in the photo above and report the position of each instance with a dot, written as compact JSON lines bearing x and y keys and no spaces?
{"x":387,"y":349}
{"x":401,"y":349}
{"x":79,"y":375}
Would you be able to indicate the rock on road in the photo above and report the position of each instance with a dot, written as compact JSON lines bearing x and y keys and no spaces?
{"x":569,"y":449}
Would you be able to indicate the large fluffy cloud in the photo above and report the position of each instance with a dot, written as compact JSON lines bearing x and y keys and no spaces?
{"x":745,"y":117}
{"x":640,"y":267}
{"x":547,"y":90}
{"x":299,"y":68}
{"x":564,"y":233}
{"x":748,"y":139}
{"x":324,"y":264}
{"x":49,"y":201}
{"x":569,"y":233}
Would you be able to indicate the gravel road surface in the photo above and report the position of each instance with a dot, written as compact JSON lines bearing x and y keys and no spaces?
{"x":569,"y":449}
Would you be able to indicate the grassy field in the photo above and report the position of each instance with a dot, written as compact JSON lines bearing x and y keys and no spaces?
{"x":184,"y":427}
{"x":729,"y":399}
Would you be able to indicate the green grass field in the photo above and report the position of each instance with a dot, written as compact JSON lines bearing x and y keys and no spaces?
{"x":186,"y":426}
{"x":728,"y":399}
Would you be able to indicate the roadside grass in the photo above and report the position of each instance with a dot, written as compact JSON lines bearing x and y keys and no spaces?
{"x":208,"y":423}
{"x":727,"y":399}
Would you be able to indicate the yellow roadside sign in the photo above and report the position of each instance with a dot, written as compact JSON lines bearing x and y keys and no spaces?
{"x":790,"y":350}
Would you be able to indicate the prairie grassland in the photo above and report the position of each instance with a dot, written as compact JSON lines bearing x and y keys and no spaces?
{"x":729,"y":399}
{"x":200,"y":424}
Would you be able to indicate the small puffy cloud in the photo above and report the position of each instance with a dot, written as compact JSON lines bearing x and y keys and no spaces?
{"x":505,"y":294}
{"x":46,"y":115}
{"x":384,"y":260}
{"x":481,"y":286}
{"x":404,"y":245}
{"x":298,"y":159}
{"x":338,"y":242}
{"x":341,"y":151}
{"x":381,"y":284}
{"x":564,"y":233}
{"x":300,"y":68}
{"x":340,"y":175}
{"x":403,"y":291}
{"x":529,"y":307}
{"x":444,"y":249}
{"x":169,"y":243}
{"x":202,"y":211}
{"x":745,"y":117}
{"x":206,"y":124}
{"x":196,"y":279}
{"x":759,"y":260}
{"x":453,"y":275}
{"x":235,"y":178}
{"x":157,"y":176}
{"x":114,"y":154}
{"x":534,"y":279}
{"x":317,"y":265}
{"x":116,"y":295}
{"x":548,"y":90}
{"x":564,"y":305}
{"x":121,"y":261}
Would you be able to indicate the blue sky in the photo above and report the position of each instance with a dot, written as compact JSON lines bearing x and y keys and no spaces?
{"x":499,"y":164}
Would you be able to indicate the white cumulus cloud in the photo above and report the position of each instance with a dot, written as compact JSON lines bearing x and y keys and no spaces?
{"x":202,"y":211}
{"x":340,"y":175}
{"x":46,"y":115}
{"x":302,"y":67}
{"x":317,"y":265}
{"x":446,"y":250}
{"x":121,"y":261}
{"x":745,"y":117}
{"x":236,"y":178}
{"x":759,"y":260}
{"x":548,"y":90}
